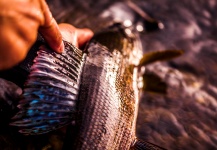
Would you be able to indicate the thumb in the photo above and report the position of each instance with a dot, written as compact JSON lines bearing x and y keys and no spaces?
{"x":50,"y":29}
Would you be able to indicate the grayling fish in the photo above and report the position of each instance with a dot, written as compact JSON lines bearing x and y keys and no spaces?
{"x":102,"y":98}
{"x":109,"y":94}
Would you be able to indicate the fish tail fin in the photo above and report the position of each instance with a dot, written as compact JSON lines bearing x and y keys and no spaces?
{"x":144,"y":145}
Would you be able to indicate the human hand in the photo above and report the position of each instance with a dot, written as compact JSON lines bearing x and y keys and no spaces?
{"x":75,"y":36}
{"x":20,"y":22}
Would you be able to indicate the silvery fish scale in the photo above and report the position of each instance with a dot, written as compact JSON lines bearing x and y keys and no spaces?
{"x":108,"y":100}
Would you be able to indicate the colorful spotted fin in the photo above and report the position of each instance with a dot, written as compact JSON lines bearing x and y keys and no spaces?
{"x":50,"y":92}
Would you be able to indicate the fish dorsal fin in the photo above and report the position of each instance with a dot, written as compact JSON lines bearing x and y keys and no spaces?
{"x":144,"y":145}
{"x":154,"y":56}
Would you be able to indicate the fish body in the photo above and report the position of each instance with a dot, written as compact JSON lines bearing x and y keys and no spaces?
{"x":96,"y":89}
{"x":108,"y":98}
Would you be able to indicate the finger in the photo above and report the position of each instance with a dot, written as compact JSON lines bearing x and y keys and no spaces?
{"x":69,"y":33}
{"x":84,"y":35}
{"x":50,"y":30}
{"x":75,"y":36}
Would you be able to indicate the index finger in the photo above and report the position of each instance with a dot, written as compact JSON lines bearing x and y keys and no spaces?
{"x":50,"y":29}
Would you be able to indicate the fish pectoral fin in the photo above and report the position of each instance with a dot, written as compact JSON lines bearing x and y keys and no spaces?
{"x":154,"y":56}
{"x":153,"y":83}
{"x":144,"y":145}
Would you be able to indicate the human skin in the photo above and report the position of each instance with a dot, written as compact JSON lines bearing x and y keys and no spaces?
{"x":20,"y":22}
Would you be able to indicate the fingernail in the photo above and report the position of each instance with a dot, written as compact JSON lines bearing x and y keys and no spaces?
{"x":61,"y":48}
